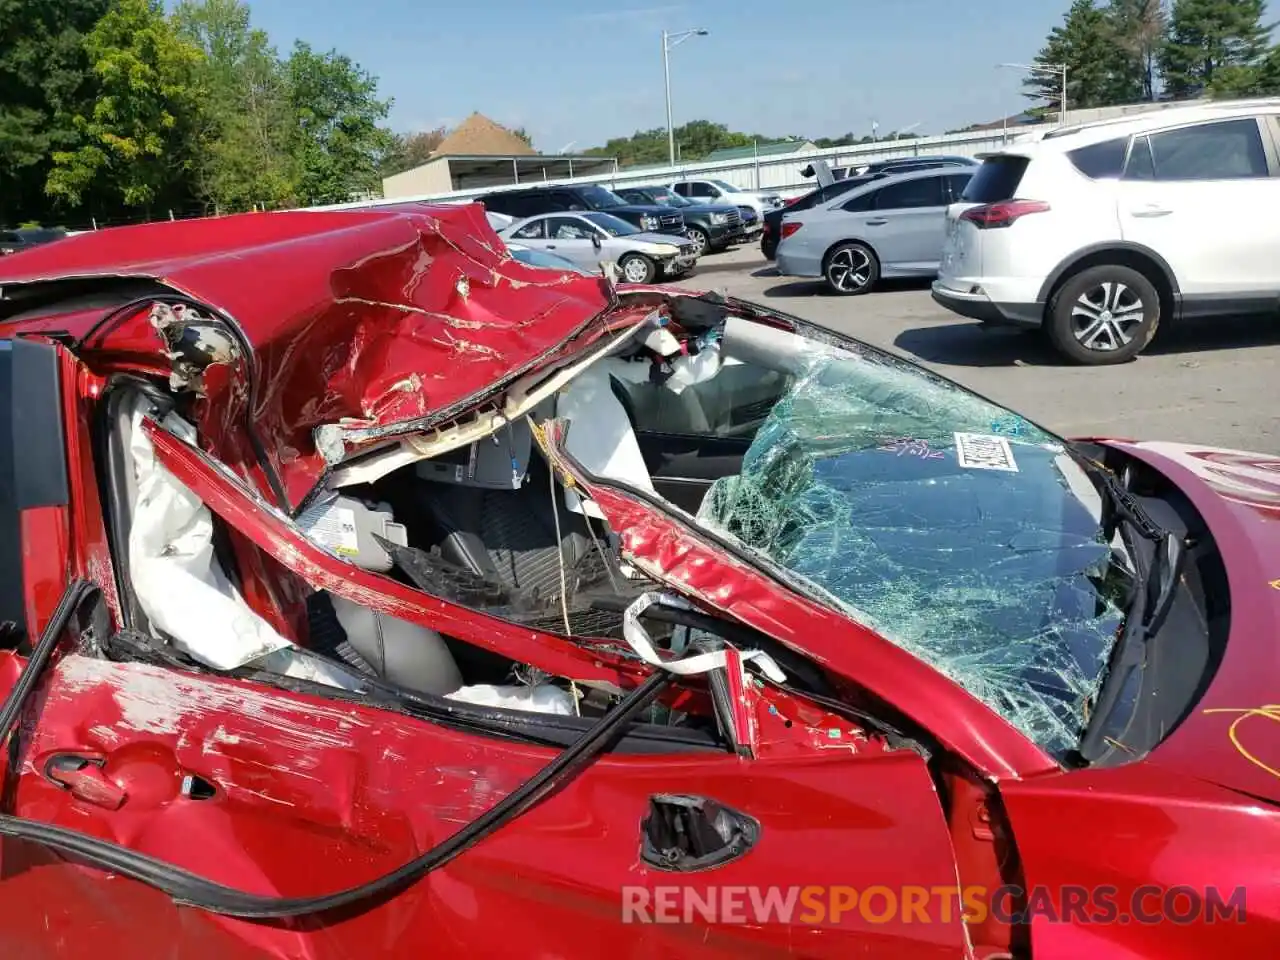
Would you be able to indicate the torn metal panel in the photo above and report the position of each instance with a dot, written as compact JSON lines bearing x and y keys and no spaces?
{"x":519,"y":401}
{"x":193,"y":342}
{"x":942,"y":522}
{"x":366,"y":319}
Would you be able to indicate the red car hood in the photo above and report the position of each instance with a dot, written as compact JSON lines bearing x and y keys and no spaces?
{"x":1232,"y":737}
{"x":380,"y":320}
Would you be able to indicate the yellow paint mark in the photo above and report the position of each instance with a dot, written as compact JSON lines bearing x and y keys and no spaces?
{"x":1269,"y":712}
{"x":539,"y":431}
{"x":1275,"y":584}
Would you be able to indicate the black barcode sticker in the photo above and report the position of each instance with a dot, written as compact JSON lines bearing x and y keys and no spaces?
{"x":982,"y":451}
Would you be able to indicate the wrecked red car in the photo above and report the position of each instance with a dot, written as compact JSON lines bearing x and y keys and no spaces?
{"x":366,"y":592}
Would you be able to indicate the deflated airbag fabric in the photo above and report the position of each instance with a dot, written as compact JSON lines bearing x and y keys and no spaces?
{"x":179,"y":583}
{"x":984,"y":568}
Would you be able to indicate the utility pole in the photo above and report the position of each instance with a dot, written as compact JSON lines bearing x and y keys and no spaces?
{"x":1058,"y":70}
{"x":669,"y":41}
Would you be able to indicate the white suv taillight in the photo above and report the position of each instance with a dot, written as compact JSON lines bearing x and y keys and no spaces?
{"x":991,"y":216}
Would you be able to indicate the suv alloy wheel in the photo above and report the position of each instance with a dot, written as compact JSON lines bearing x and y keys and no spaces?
{"x":1104,"y":315}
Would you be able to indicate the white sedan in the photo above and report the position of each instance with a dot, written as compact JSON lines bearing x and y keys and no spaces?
{"x":591,"y":238}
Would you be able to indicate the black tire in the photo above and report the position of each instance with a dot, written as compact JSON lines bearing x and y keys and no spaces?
{"x":1103,"y":315}
{"x":701,"y":240}
{"x":768,"y":247}
{"x":632,"y":259}
{"x":851,"y":269}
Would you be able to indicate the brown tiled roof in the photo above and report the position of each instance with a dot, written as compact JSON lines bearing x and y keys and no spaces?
{"x":480,"y":136}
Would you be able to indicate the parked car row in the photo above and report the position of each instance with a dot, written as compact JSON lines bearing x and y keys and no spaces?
{"x":652,"y":232}
{"x":1094,"y":234}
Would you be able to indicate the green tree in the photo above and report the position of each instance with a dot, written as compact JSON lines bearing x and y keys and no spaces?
{"x":340,"y":144}
{"x":407,"y":151}
{"x":135,"y":142}
{"x":1099,"y":71}
{"x":845,"y":139}
{"x":697,"y":138}
{"x":524,"y":135}
{"x":694,"y":140}
{"x":642,"y":147}
{"x":1140,"y":26}
{"x":247,"y":135}
{"x":1255,"y":80}
{"x":1206,"y":37}
{"x":45,"y":81}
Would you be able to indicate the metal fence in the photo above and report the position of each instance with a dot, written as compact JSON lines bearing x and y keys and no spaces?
{"x":777,"y":174}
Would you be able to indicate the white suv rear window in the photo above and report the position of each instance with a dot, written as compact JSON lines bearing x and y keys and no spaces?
{"x":997,"y":179}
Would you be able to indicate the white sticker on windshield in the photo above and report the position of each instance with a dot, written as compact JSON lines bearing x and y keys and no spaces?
{"x":981,"y":451}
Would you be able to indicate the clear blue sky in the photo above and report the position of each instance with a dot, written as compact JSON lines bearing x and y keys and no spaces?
{"x":584,"y":70}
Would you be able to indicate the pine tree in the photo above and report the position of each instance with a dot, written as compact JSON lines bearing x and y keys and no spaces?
{"x":1140,"y":26}
{"x":1100,"y":72}
{"x":1206,"y":37}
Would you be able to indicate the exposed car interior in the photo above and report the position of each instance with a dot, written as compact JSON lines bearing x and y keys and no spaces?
{"x":489,"y":522}
{"x":488,"y":526}
{"x":491,"y":525}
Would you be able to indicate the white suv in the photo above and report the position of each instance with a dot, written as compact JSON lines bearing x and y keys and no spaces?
{"x":718,"y":191}
{"x":1097,"y":233}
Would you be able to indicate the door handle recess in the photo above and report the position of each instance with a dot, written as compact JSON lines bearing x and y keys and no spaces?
{"x":683,"y":833}
{"x":82,"y":775}
{"x":877,"y":222}
{"x":1152,"y":211}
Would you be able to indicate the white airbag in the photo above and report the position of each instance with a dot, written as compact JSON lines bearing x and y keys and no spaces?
{"x":544,"y":698}
{"x":600,"y":436}
{"x":179,"y":583}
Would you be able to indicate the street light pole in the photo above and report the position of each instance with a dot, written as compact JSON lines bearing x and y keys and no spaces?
{"x":1062,"y":106}
{"x":1053,"y":69}
{"x":670,"y":40}
{"x":666,"y":75}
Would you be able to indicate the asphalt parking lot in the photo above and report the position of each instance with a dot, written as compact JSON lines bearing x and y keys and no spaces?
{"x":1212,"y":382}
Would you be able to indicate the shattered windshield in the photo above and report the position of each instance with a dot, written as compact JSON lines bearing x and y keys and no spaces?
{"x":954,"y":528}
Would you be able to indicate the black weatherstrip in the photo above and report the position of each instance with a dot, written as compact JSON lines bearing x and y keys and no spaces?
{"x":39,"y":438}
{"x":11,"y":591}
